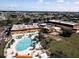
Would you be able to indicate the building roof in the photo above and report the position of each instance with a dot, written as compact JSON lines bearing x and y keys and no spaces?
{"x":63,"y":22}
{"x":43,"y":24}
{"x":23,"y":26}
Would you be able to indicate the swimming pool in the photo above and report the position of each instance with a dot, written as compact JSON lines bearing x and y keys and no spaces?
{"x":23,"y":44}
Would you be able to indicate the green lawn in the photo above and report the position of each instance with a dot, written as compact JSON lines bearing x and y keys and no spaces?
{"x":69,"y":47}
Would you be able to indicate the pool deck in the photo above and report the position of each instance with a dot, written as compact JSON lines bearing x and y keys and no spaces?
{"x":11,"y":52}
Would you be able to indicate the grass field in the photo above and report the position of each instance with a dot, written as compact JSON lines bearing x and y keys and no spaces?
{"x":68,"y":47}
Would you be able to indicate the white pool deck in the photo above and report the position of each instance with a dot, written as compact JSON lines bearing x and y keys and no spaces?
{"x":11,"y":52}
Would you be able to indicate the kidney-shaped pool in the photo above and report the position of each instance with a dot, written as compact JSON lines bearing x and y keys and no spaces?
{"x":23,"y":44}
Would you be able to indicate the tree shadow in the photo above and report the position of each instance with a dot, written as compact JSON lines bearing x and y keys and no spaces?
{"x":58,"y":54}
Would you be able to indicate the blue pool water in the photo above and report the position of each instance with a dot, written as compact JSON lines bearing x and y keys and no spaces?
{"x":23,"y":44}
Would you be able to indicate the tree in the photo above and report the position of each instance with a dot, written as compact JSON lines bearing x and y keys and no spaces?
{"x":66,"y":33}
{"x":24,"y":20}
{"x":35,"y":20}
{"x":45,"y":42}
{"x":44,"y":30}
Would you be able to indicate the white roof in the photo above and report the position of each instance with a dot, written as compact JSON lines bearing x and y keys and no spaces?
{"x":43,"y":24}
{"x":63,"y":22}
